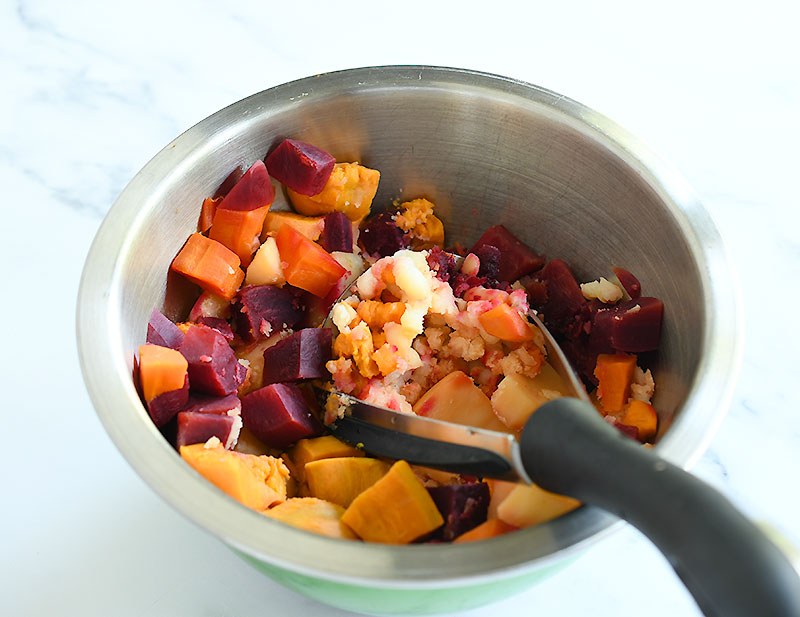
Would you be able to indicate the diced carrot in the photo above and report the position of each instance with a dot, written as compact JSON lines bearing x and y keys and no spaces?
{"x":309,"y":226}
{"x":642,"y":416}
{"x":308,"y":265}
{"x":161,"y":369}
{"x":209,"y":264}
{"x":349,"y":189}
{"x":488,"y":529}
{"x":397,"y":509}
{"x":614,"y":373}
{"x":239,"y":230}
{"x":507,"y":324}
{"x":207,"y":214}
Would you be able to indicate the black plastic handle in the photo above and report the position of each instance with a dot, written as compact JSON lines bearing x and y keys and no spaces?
{"x":726,"y":562}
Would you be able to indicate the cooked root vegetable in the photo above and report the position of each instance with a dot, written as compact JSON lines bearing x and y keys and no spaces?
{"x":257,"y":482}
{"x":253,"y":356}
{"x":166,"y":405}
{"x":300,"y":166}
{"x":505,"y":322}
{"x":381,"y":236}
{"x":252,"y":192}
{"x":489,"y":257}
{"x":337,"y":233}
{"x":310,"y":226}
{"x":516,"y":259}
{"x":633,"y":326}
{"x":528,"y":505}
{"x":239,"y":230}
{"x":564,"y":297}
{"x":457,"y":399}
{"x":643,"y":417}
{"x":517,"y":396}
{"x":209,"y":264}
{"x":161,"y":331}
{"x":213,"y":368}
{"x":210,"y":305}
{"x":220,"y":405}
{"x":260,"y":310}
{"x":349,"y":189}
{"x":416,"y":217}
{"x":265,"y":269}
{"x":218,"y":324}
{"x":229,"y":182}
{"x":629,"y":282}
{"x":341,"y":480}
{"x":490,"y":529}
{"x":313,"y":515}
{"x":463,"y":507}
{"x":308,"y":450}
{"x":395,"y":510}
{"x":207,"y":212}
{"x":301,"y":355}
{"x":194,"y":427}
{"x":278,"y":415}
{"x":307,"y":265}
{"x":614,"y":373}
{"x":161,"y":369}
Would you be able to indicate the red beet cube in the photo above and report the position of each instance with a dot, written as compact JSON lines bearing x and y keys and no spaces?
{"x":442,"y":263}
{"x":229,"y":182}
{"x":516,"y":259}
{"x":218,"y":324}
{"x":253,"y":191}
{"x":463,"y":506}
{"x":196,"y":427}
{"x":300,"y":166}
{"x":629,"y":282}
{"x":209,"y":305}
{"x":490,"y":261}
{"x":300,"y":356}
{"x":213,"y":368}
{"x":382,"y":237}
{"x":278,"y":415}
{"x":164,"y":407}
{"x":161,"y":331}
{"x":220,"y":405}
{"x":635,"y":325}
{"x":565,"y":302}
{"x":263,"y":309}
{"x":337,"y":234}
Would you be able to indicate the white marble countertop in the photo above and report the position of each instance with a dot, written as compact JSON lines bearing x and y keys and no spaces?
{"x":91,"y":90}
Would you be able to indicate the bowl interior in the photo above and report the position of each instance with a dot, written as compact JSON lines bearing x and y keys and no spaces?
{"x":486,"y":151}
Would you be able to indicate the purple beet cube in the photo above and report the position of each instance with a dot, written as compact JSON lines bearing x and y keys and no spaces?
{"x":636,"y":325}
{"x":516,"y":259}
{"x":260,"y":310}
{"x":278,"y":415}
{"x":218,"y":324}
{"x":490,"y":261}
{"x":463,"y":506}
{"x":213,"y":368}
{"x":442,"y":263}
{"x":220,"y":405}
{"x":300,"y":166}
{"x":194,"y":427}
{"x":337,"y":234}
{"x":166,"y":405}
{"x":382,"y":237}
{"x":161,"y":331}
{"x":300,"y":356}
{"x":629,"y":282}
{"x":565,"y":305}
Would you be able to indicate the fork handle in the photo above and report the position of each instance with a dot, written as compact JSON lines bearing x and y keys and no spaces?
{"x":725,"y":561}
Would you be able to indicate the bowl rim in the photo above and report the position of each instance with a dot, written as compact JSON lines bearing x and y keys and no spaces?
{"x":417,"y":566}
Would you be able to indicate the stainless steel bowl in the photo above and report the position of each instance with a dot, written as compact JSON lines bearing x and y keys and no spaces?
{"x":487,"y":150}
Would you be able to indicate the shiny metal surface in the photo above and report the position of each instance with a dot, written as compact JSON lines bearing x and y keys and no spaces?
{"x":486,"y":150}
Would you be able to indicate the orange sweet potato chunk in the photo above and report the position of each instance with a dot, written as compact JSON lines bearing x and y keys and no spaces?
{"x":395,"y":510}
{"x":340,"y":480}
{"x":614,"y":373}
{"x":257,"y":482}
{"x":317,"y":448}
{"x":161,"y":369}
{"x":349,"y":189}
{"x":309,"y":226}
{"x":505,"y":322}
{"x":488,"y":529}
{"x":643,"y":417}
{"x":209,"y":264}
{"x":315,"y":515}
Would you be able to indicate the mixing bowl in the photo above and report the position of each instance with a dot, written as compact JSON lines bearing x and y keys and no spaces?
{"x":486,"y":150}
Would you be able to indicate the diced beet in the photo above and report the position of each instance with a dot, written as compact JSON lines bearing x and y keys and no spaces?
{"x":278,"y":415}
{"x":164,"y":407}
{"x":213,"y":368}
{"x":220,"y":405}
{"x":565,"y":307}
{"x":229,"y":182}
{"x":263,"y":309}
{"x":218,"y":324}
{"x":194,"y":427}
{"x":210,"y":305}
{"x":463,"y":506}
{"x":300,"y":166}
{"x":253,"y":191}
{"x":337,"y":234}
{"x":382,"y":237}
{"x":161,"y":331}
{"x":490,"y":261}
{"x":636,"y":325}
{"x":300,"y":356}
{"x":442,"y":263}
{"x":537,"y":290}
{"x":629,"y":282}
{"x":516,"y":259}
{"x":627,"y":430}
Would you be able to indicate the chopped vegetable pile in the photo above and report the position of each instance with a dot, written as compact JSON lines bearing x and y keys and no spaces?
{"x":417,"y":330}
